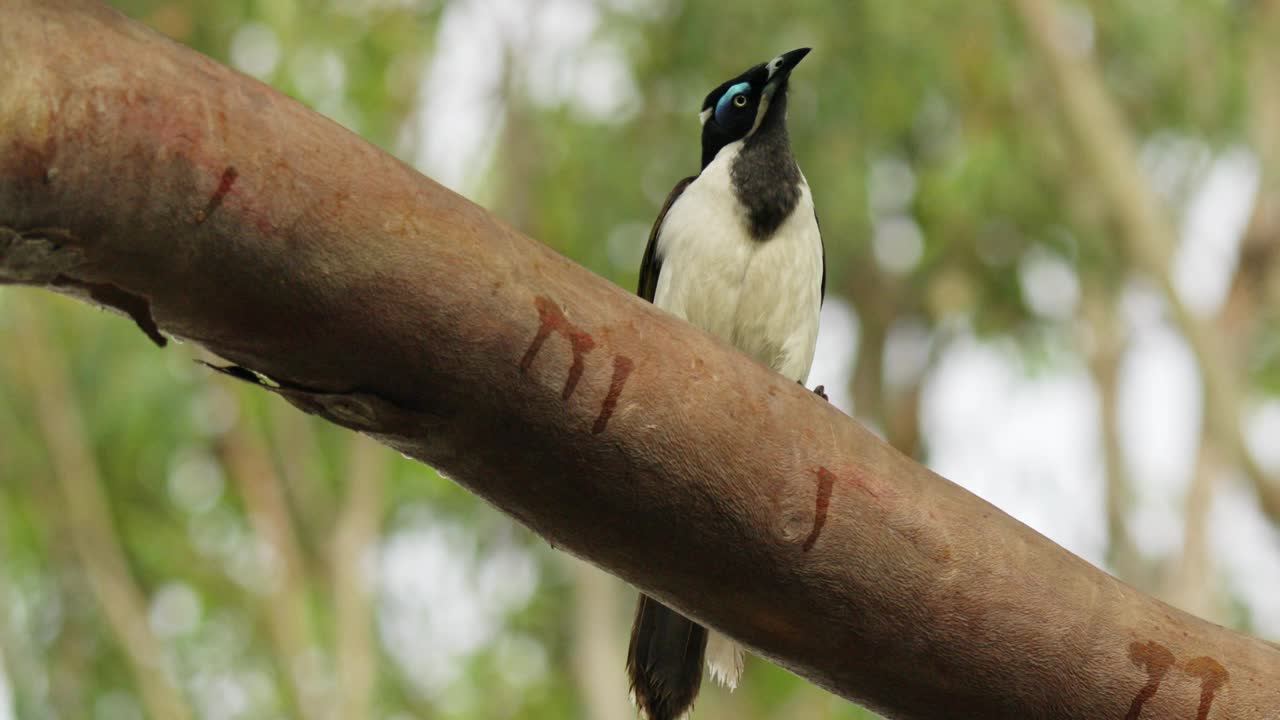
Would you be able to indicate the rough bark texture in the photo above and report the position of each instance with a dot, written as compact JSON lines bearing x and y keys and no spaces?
{"x":143,"y":176}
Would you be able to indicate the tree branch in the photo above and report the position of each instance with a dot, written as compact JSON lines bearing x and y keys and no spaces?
{"x":207,"y":206}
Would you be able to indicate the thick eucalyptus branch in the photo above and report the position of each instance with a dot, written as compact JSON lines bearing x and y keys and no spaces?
{"x":143,"y":176}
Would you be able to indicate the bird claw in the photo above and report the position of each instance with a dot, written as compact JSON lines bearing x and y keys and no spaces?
{"x":821,"y":392}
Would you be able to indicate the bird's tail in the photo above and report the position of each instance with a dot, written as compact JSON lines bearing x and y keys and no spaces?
{"x":664,"y":662}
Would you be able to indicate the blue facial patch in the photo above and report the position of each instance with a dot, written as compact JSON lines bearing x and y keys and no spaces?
{"x":722,"y":106}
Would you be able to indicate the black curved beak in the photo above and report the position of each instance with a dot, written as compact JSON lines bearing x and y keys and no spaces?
{"x":786,"y":62}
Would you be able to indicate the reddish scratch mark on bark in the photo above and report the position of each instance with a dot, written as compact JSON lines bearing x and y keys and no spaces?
{"x":552,"y":319}
{"x":826,"y":480}
{"x":1157,"y":660}
{"x":1212,"y":676}
{"x":622,"y":367}
{"x":224,"y":186}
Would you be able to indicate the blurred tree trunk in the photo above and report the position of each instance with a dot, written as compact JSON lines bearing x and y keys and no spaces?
{"x":354,"y":546}
{"x":880,"y":300}
{"x":599,"y":643}
{"x":147,"y":178}
{"x":19,"y":662}
{"x":288,"y":611}
{"x":1254,"y":295}
{"x":90,"y":523}
{"x":1189,"y":585}
{"x":1108,"y":345}
{"x":1259,"y":255}
{"x":295,"y":450}
{"x":71,"y":651}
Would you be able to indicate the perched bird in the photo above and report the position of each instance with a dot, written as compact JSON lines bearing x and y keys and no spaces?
{"x":736,"y":251}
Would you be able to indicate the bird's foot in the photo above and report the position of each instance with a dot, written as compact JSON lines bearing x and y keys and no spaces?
{"x":821,"y":392}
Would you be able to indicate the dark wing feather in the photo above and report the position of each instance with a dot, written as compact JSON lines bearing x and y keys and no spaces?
{"x":822,"y":292}
{"x":651,"y":266}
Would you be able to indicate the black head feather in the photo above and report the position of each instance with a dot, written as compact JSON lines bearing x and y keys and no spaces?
{"x":740,"y":106}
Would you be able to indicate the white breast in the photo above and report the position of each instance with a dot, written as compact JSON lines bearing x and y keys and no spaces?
{"x":763,"y":297}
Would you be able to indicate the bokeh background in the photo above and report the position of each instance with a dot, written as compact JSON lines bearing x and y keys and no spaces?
{"x":1052,"y":233}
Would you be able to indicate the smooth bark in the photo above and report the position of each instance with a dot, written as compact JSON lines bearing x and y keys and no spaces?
{"x":143,"y":176}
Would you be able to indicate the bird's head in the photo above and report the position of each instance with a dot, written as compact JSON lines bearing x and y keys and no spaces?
{"x":740,"y":106}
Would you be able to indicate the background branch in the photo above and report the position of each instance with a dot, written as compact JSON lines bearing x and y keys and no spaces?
{"x":1108,"y":344}
{"x":90,"y":524}
{"x":596,"y":643}
{"x":354,"y":544}
{"x":288,"y":612}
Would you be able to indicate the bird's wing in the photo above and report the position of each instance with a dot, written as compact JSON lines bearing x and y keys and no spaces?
{"x":651,"y":266}
{"x":822,"y":291}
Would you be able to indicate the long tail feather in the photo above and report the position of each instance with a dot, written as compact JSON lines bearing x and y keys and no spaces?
{"x":664,"y":662}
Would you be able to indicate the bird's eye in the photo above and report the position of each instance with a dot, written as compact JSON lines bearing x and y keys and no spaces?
{"x":733,"y":98}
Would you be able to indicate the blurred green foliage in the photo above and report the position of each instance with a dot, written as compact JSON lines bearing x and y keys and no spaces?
{"x":931,"y":118}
